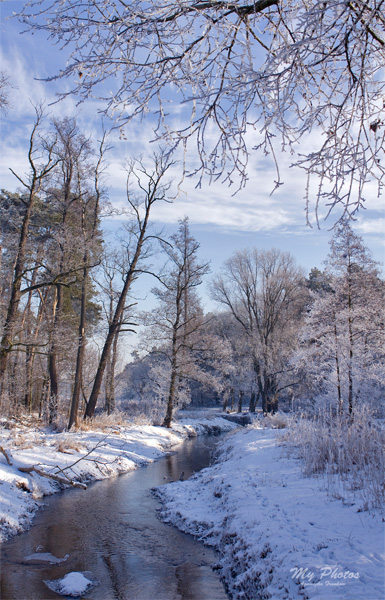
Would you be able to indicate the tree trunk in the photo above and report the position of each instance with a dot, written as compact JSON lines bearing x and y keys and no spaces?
{"x":174,"y":372}
{"x":339,"y":392}
{"x":225,"y":402}
{"x":52,"y":359}
{"x":350,"y":367}
{"x":13,"y":306}
{"x":253,"y":402}
{"x":90,"y":410}
{"x":170,"y":402}
{"x":44,"y":395}
{"x":73,"y":419}
{"x":240,"y":399}
{"x":110,"y":399}
{"x":30,"y":349}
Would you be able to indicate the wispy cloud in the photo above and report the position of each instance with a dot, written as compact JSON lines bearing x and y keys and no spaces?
{"x":376,"y":226}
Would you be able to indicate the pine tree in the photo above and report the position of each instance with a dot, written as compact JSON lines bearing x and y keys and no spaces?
{"x":344,"y":331}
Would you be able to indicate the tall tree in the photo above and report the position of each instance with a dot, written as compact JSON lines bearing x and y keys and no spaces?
{"x":42,"y":160}
{"x":108,"y":279}
{"x":286,"y":69}
{"x":90,"y":213}
{"x":73,"y":151}
{"x":178,"y":320}
{"x":264,"y":292}
{"x":152,"y":189}
{"x":344,"y":332}
{"x":350,"y":259}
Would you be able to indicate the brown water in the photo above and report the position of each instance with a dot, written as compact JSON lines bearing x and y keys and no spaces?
{"x":113,"y":531}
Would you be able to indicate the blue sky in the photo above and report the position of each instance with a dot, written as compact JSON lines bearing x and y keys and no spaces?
{"x":221,"y":221}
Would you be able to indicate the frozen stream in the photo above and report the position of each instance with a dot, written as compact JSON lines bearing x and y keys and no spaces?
{"x":113,"y":531}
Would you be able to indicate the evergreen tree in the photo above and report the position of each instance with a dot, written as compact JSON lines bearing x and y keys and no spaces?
{"x":344,"y":333}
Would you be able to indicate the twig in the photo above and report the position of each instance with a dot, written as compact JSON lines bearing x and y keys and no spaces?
{"x":54,"y":476}
{"x":99,"y":443}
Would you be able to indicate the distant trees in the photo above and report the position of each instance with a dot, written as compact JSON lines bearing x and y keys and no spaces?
{"x":343,"y":340}
{"x":323,"y":336}
{"x":264,"y":293}
{"x":236,"y":371}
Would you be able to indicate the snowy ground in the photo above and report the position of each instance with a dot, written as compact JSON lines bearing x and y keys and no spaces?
{"x":78,"y":456}
{"x":280,"y":535}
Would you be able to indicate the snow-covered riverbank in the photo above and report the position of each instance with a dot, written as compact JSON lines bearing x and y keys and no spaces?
{"x":79,"y":456}
{"x":281,"y":536}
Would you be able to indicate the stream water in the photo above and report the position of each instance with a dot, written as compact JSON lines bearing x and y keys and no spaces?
{"x":113,"y":531}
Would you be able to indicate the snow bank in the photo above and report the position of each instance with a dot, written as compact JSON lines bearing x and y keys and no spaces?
{"x":202,"y":425}
{"x":280,"y":535}
{"x":79,"y":456}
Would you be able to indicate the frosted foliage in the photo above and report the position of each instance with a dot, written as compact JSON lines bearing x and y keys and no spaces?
{"x":352,"y":449}
{"x":249,"y":75}
{"x":343,"y":341}
{"x":263,"y":293}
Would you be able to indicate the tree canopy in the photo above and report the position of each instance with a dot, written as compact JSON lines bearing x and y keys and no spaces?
{"x":249,"y":75}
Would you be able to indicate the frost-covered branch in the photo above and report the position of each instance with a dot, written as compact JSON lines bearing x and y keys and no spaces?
{"x":249,"y":75}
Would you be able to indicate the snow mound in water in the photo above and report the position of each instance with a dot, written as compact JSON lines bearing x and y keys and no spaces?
{"x":46,"y":557}
{"x":73,"y":584}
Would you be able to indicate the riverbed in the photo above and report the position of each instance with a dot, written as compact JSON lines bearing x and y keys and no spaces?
{"x":112,"y":532}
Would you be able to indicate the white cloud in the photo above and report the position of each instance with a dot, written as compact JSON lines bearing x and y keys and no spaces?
{"x":372,"y":226}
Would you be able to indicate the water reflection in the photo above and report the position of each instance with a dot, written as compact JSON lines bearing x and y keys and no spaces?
{"x":112,"y":530}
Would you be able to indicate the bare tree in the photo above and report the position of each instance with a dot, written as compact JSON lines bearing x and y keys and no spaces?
{"x":90,"y":208}
{"x":263,"y":290}
{"x":109,"y":280}
{"x":151,"y":190}
{"x":177,"y":321}
{"x":274,"y":69}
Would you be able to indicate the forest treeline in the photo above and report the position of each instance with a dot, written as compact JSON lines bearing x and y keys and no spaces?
{"x":67,"y":301}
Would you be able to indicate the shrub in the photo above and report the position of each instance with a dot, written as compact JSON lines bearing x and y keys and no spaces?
{"x":350,"y":447}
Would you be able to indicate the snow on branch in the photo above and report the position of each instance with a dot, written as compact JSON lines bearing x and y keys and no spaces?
{"x":251,"y":78}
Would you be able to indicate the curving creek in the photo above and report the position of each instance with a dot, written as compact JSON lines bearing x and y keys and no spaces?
{"x":112,"y":531}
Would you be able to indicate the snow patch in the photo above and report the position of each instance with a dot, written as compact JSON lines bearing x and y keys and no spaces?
{"x":46,"y":557}
{"x":73,"y":584}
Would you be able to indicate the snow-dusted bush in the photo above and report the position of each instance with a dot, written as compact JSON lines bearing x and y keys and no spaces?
{"x":277,"y":421}
{"x":103,"y":421}
{"x":67,"y":444}
{"x":350,"y":448}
